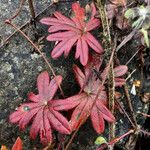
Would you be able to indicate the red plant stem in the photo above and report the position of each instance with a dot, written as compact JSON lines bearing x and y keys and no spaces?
{"x":18,"y":11}
{"x":129,"y":104}
{"x":125,"y":113}
{"x":145,"y":115}
{"x":74,"y":134}
{"x":144,"y":132}
{"x":24,"y":25}
{"x":43,"y":56}
{"x":121,"y":137}
{"x":114,"y":141}
{"x":71,"y":139}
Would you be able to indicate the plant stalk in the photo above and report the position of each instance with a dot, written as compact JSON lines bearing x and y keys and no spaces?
{"x":43,"y":56}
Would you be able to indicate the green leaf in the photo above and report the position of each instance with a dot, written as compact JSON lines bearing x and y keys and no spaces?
{"x":145,"y":34}
{"x":129,"y":14}
{"x":100,"y":140}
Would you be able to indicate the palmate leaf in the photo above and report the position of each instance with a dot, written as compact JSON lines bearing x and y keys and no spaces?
{"x":85,"y":104}
{"x":73,"y":31}
{"x":40,"y":110}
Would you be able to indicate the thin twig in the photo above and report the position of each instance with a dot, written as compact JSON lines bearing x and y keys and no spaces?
{"x":71,"y":139}
{"x":129,"y":76}
{"x":121,"y":107}
{"x":31,"y":7}
{"x":43,"y":56}
{"x":129,"y":104}
{"x":114,"y":141}
{"x":132,"y":57}
{"x":18,"y":11}
{"x":23,"y":26}
{"x":127,"y":38}
{"x":74,"y":134}
{"x":141,"y":48}
{"x":145,"y":115}
{"x":121,"y":137}
{"x":141,"y":67}
{"x":145,"y":132}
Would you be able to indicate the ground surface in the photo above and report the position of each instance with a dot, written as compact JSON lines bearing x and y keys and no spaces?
{"x":20,"y":64}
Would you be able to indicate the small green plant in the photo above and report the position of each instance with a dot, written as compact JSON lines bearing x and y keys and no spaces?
{"x":140,"y":19}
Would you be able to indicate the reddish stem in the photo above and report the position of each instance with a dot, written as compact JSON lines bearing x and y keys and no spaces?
{"x":114,"y":141}
{"x":43,"y":56}
{"x":18,"y":11}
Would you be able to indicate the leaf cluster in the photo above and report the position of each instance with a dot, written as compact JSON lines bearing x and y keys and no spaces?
{"x":43,"y":110}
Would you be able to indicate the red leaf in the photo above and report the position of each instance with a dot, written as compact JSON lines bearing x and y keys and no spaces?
{"x":64,"y":18}
{"x":41,"y":111}
{"x":27,"y":117}
{"x":84,"y":108}
{"x":79,"y":12}
{"x":85,"y":103}
{"x":59,"y":122}
{"x":97,"y":120}
{"x":63,"y":46}
{"x":73,"y":31}
{"x":107,"y":115}
{"x":53,"y":21}
{"x":93,"y":64}
{"x":120,"y":70}
{"x":93,"y":12}
{"x":82,"y":51}
{"x":93,"y":43}
{"x":63,"y":27}
{"x":81,"y":111}
{"x":61,"y":35}
{"x":66,"y":104}
{"x":119,"y":82}
{"x":79,"y":76}
{"x":92,"y":24}
{"x":18,"y":144}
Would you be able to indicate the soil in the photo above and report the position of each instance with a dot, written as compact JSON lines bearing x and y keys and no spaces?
{"x":20,"y":65}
